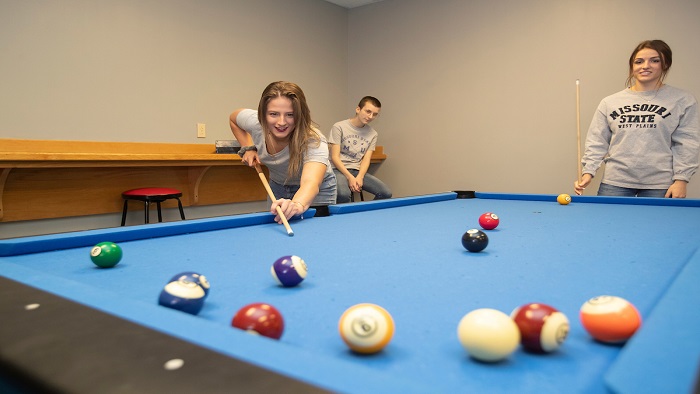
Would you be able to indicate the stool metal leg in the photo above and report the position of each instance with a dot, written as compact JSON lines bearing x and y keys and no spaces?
{"x":352,"y":196}
{"x":182,"y":213}
{"x":126,"y":203}
{"x":160,"y":216}
{"x":147,"y":208}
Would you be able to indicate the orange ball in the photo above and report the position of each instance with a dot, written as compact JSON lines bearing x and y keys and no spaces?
{"x":564,"y":199}
{"x":610,"y":319}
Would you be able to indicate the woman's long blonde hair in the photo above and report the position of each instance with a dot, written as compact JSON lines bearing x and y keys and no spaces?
{"x":303,"y":134}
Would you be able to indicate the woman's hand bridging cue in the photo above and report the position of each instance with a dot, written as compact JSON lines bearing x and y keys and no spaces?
{"x":289,"y":208}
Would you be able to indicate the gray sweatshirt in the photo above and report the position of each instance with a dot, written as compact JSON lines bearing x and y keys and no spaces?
{"x":647,"y":139}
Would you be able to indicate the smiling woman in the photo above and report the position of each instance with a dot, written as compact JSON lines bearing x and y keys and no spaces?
{"x":648,"y":135}
{"x":649,"y":64}
{"x":282,"y":136}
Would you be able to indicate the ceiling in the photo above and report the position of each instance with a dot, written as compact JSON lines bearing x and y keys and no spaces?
{"x":352,"y":3}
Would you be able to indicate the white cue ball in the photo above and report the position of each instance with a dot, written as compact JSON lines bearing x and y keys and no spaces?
{"x":488,"y":334}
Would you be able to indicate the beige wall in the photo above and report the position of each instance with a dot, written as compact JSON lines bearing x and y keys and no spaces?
{"x":476,"y":94}
{"x":481,"y":94}
{"x":135,"y":70}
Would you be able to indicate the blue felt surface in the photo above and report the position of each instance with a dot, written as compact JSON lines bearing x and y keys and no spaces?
{"x":668,"y":342}
{"x":328,"y":372}
{"x":409,"y":259}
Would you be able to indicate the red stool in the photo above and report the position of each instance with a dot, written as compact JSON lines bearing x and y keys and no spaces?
{"x":149,"y":195}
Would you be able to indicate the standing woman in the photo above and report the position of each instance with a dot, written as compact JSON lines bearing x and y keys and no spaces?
{"x":281,"y":135}
{"x":648,"y":135}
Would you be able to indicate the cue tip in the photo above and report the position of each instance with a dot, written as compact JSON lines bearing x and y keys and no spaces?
{"x":577,"y":82}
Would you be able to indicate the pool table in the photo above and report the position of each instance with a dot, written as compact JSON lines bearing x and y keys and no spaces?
{"x":71,"y":326}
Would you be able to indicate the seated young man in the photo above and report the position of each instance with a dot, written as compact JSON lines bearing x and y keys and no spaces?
{"x":352,"y":142}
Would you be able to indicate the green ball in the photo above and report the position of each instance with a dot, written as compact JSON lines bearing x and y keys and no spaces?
{"x":106,"y":254}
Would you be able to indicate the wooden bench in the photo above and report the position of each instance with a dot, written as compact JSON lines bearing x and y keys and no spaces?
{"x":41,"y":179}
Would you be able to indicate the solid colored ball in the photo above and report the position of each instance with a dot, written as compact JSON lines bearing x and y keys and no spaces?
{"x":564,"y":199}
{"x":183,"y":295}
{"x":489,"y":221}
{"x":475,"y":240}
{"x":542,"y":328}
{"x":610,"y":319}
{"x":106,"y":254}
{"x":366,"y":328}
{"x":488,"y":335}
{"x":289,"y":271}
{"x":260,"y":319}
{"x":193,"y":277}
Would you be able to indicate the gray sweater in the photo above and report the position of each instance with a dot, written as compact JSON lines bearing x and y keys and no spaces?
{"x":647,"y":139}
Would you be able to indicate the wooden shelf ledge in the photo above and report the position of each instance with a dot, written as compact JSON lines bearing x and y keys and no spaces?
{"x":42,"y":179}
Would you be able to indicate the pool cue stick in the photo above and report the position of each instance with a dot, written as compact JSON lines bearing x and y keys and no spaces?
{"x":261,"y":174}
{"x":578,"y":129}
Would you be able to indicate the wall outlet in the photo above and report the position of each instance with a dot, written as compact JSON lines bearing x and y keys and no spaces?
{"x":201,"y":130}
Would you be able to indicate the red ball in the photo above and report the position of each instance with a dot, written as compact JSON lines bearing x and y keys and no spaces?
{"x":610,"y":319}
{"x":260,"y":318}
{"x":489,"y":221}
{"x":542,"y":328}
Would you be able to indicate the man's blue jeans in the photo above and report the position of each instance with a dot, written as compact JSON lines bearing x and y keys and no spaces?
{"x":370,"y":184}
